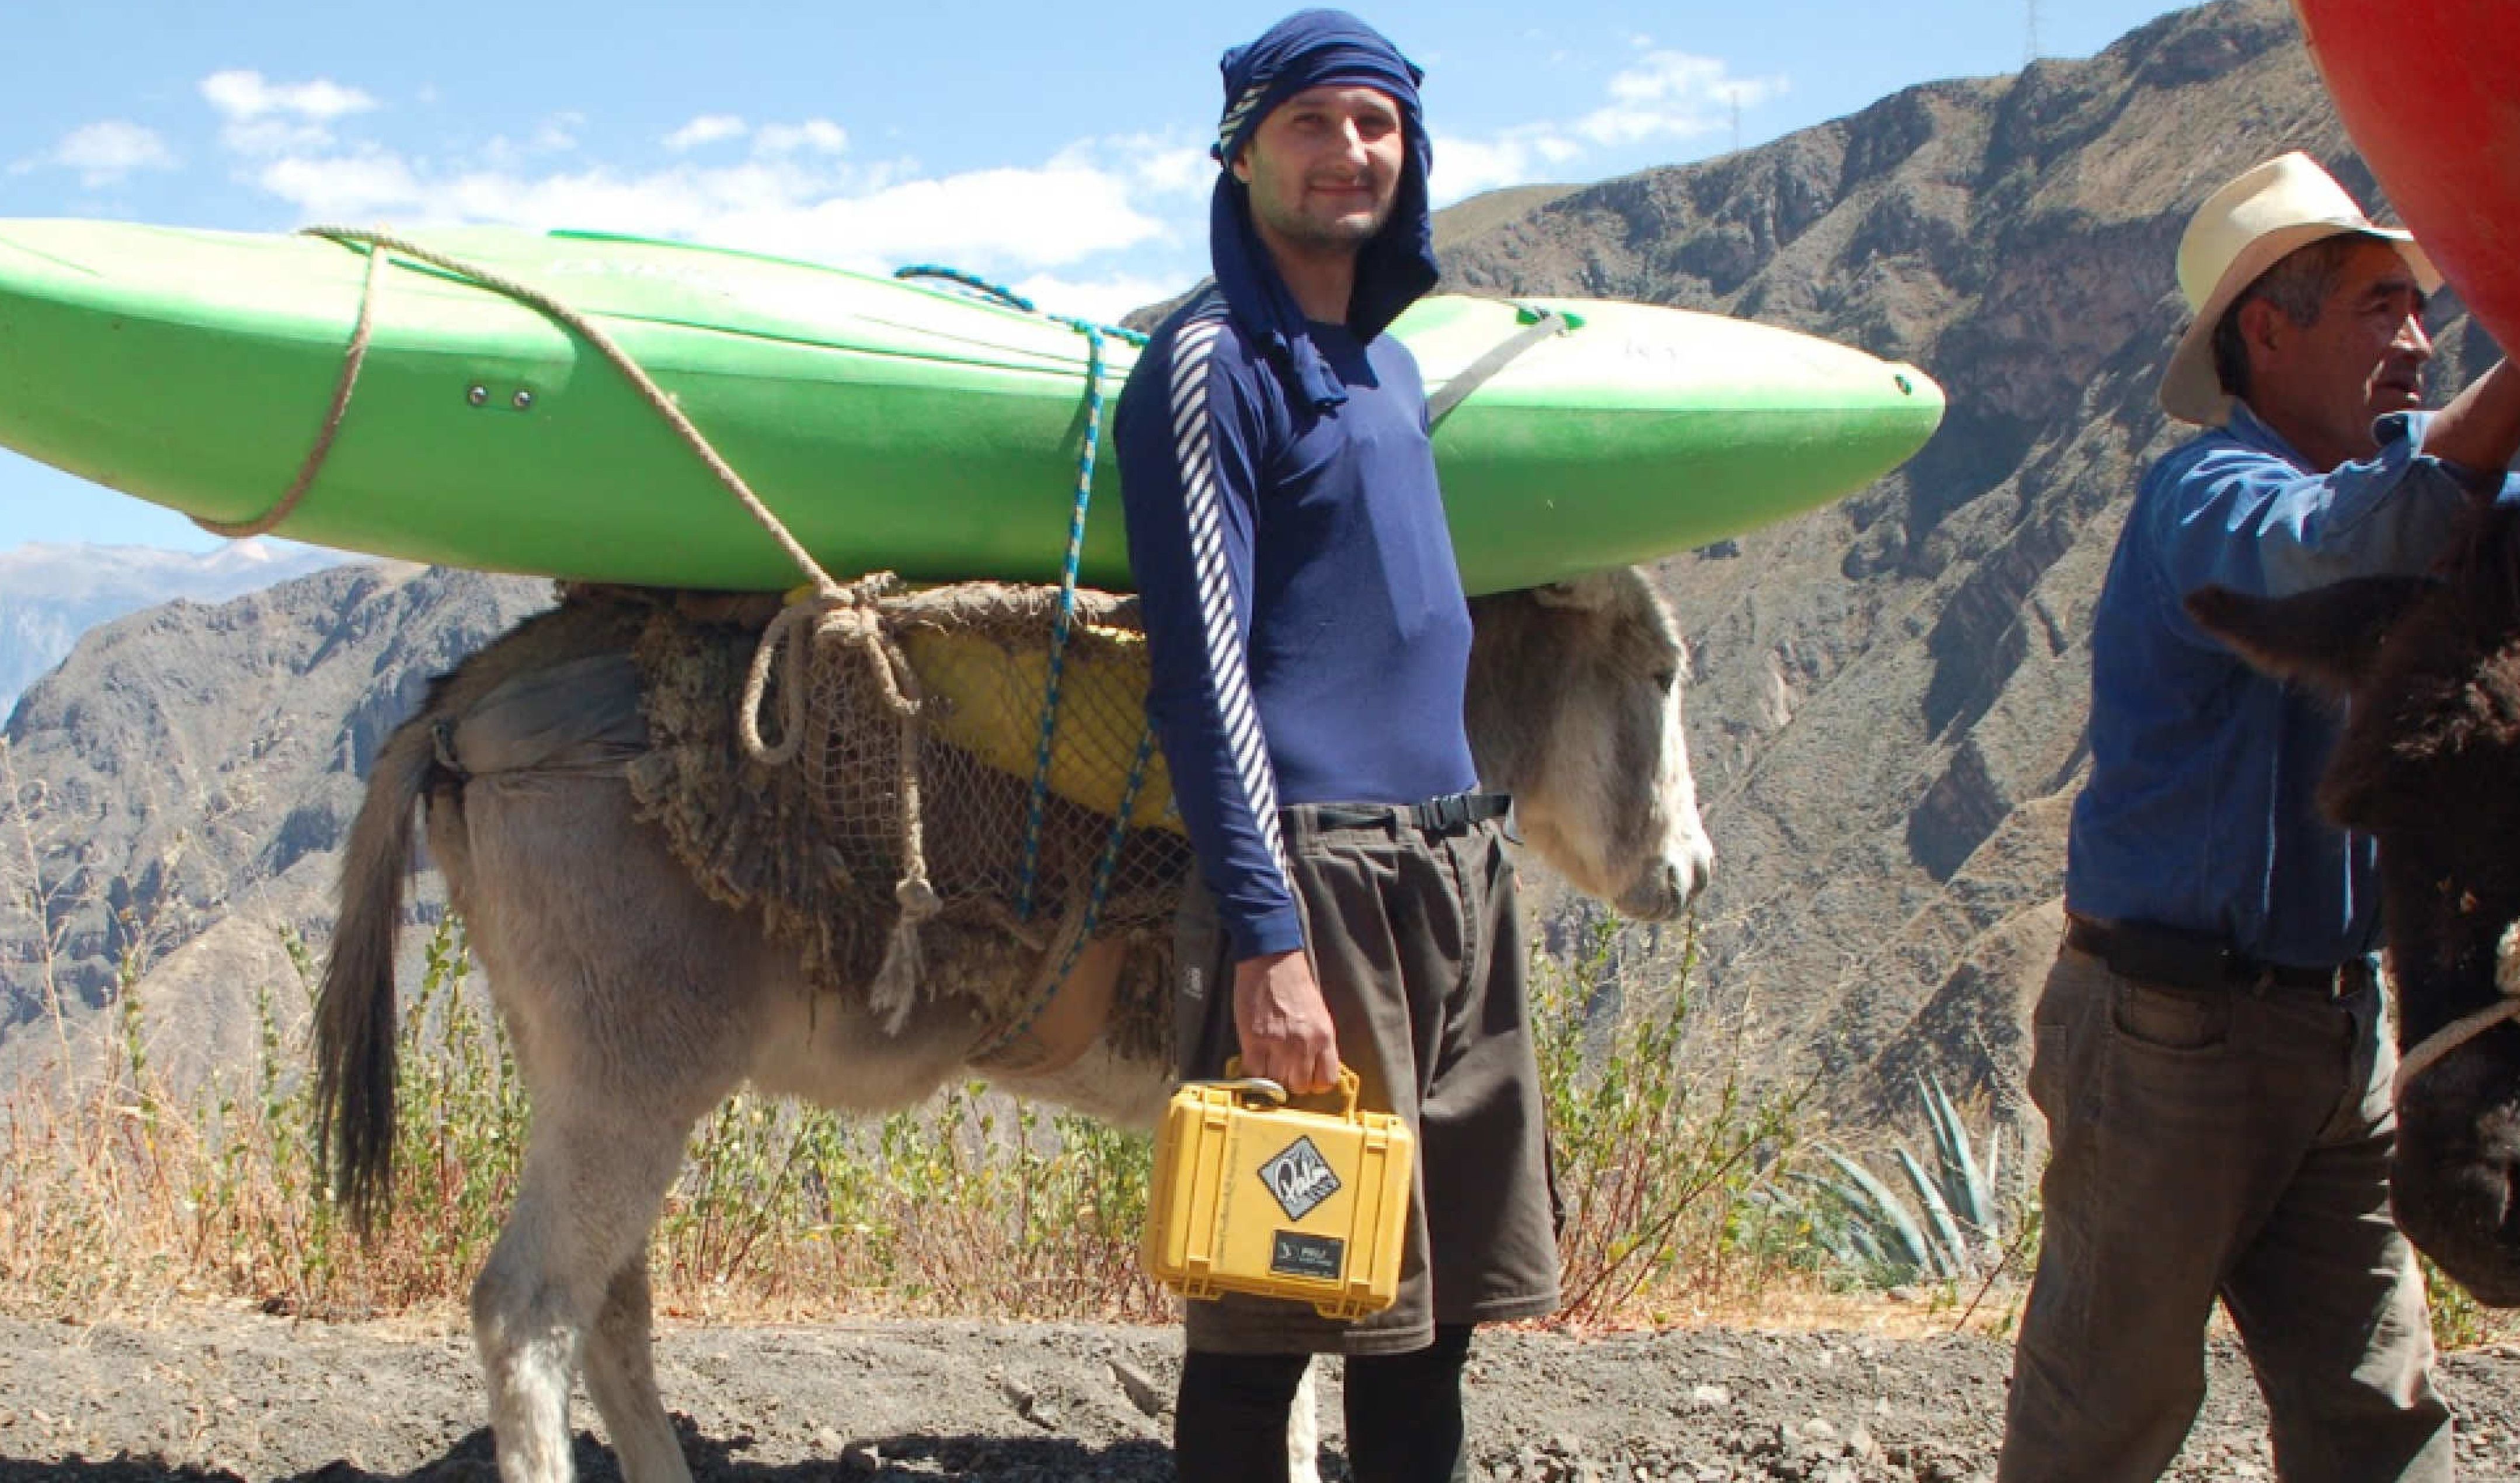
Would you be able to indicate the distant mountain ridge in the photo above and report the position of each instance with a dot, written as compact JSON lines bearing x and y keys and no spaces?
{"x":186,"y":777}
{"x":50,"y":593}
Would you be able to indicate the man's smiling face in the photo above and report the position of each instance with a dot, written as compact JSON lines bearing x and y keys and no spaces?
{"x":1323,"y":169}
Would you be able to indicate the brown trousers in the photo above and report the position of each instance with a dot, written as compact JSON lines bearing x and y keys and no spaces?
{"x":1418,"y":951}
{"x":2227,"y":1145}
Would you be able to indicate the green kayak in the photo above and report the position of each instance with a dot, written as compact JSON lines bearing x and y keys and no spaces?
{"x":891,"y":426}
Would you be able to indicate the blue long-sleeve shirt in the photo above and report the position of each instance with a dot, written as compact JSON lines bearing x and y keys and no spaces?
{"x":2201,"y":811}
{"x":1304,"y":615}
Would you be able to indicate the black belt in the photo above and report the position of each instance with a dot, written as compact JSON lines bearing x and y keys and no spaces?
{"x":1434,"y":816}
{"x":2183,"y":960}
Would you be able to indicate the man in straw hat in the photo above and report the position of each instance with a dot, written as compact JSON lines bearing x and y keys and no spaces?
{"x":2211,"y":1056}
{"x":1310,"y":643}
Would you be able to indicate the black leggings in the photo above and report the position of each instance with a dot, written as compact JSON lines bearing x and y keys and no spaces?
{"x":1403,"y":1414}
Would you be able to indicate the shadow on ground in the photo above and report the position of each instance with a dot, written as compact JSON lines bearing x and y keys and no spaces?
{"x":875,"y":1459}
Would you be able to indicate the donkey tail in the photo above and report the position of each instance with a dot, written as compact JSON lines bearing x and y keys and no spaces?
{"x":355,"y":1011}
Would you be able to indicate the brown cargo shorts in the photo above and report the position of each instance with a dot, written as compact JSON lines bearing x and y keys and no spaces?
{"x":1417,"y":944}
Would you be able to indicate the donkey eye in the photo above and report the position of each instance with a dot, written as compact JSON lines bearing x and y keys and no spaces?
{"x":1666,"y":679}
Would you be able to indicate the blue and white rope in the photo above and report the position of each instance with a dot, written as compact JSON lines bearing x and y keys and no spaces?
{"x":996,"y":291}
{"x":1064,"y":623}
{"x":1103,"y":870}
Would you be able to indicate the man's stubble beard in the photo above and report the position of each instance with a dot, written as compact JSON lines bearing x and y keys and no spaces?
{"x":1304,"y":232}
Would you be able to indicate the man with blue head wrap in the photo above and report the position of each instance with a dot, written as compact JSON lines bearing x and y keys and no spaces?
{"x":1310,"y":643}
{"x":1384,"y":243}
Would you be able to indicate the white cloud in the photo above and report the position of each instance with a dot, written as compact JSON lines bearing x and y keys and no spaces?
{"x":1664,"y":95}
{"x":554,"y":135}
{"x":817,"y":136}
{"x":276,"y":118}
{"x":1187,"y":170}
{"x":343,"y":190}
{"x":1675,"y":95}
{"x":707,"y":128}
{"x":1161,"y":164}
{"x":243,"y":94}
{"x":104,"y":153}
{"x":1013,"y":218}
{"x":795,"y":192}
{"x":1464,"y":167}
{"x":999,"y":220}
{"x":1057,"y":227}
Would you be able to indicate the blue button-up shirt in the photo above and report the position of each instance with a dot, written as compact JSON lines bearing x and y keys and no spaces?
{"x":2201,"y":812}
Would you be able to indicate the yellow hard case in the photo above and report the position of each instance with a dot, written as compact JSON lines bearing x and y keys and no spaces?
{"x":1254,"y":1196}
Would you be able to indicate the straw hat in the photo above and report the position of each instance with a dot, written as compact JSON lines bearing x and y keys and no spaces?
{"x":2241,"y":232}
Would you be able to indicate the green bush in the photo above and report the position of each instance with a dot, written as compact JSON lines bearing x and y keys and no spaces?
{"x":1665,"y":1171}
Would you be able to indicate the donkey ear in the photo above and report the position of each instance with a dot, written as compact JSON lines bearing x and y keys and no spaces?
{"x":1592,"y":592}
{"x":2327,"y":636}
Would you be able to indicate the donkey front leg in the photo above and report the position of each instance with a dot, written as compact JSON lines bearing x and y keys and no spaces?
{"x":592,"y":1188}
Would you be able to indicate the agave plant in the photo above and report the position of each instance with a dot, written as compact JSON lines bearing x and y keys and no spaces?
{"x":1948,"y":1227}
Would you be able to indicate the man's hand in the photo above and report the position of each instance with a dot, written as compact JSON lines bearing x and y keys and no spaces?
{"x":1284,"y":1026}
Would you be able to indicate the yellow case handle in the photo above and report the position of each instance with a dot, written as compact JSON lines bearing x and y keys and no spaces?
{"x":1261,"y":1088}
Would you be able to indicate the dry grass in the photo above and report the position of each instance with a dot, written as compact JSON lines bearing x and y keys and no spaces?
{"x":119,"y":1191}
{"x":122,"y":1196}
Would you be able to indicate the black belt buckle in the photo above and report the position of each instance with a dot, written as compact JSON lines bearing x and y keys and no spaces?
{"x":1435,"y":815}
{"x":1458,"y":811}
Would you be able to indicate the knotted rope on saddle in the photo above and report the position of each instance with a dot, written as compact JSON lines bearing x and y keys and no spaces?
{"x":2429,"y":1052}
{"x":845,"y":620}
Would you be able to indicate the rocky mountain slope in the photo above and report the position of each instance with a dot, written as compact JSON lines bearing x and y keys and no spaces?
{"x":183,"y":781}
{"x":1891,"y":693}
{"x":52,"y":592}
{"x":1889,"y":703}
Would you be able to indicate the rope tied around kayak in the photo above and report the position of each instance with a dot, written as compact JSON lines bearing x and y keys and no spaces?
{"x":352,"y":358}
{"x":532,"y":297}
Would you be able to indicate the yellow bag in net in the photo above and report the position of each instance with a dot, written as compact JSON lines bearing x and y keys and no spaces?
{"x":984,"y":689}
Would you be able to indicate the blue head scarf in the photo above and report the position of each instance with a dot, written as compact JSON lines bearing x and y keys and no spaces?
{"x":1306,"y":50}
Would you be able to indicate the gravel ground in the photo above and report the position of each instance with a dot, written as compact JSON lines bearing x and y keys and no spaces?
{"x":201,"y":1393}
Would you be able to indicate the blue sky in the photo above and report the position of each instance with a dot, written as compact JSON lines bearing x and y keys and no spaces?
{"x":1056,"y":147}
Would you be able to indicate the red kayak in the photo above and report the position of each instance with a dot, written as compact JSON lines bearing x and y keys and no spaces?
{"x":2430,"y":90}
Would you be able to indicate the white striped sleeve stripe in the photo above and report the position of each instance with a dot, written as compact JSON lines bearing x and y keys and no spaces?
{"x":1194,"y":450}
